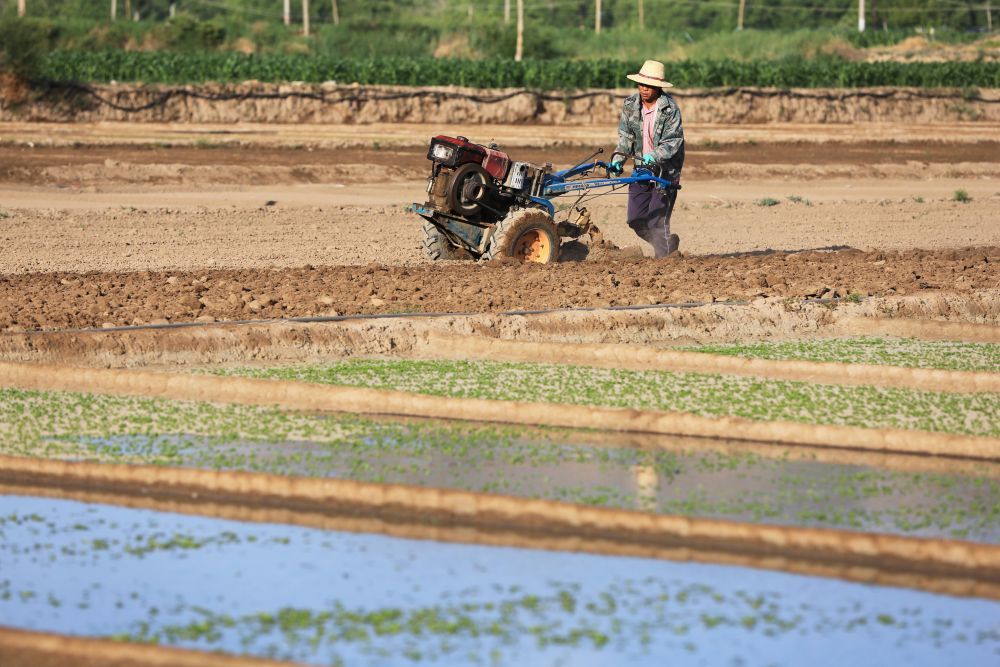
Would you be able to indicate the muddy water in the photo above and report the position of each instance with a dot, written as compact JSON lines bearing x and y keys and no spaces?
{"x":571,"y":466}
{"x":337,"y":598}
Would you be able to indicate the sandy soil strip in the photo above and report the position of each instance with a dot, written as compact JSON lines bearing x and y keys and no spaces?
{"x":317,"y":397}
{"x":397,"y":135}
{"x":26,"y":648}
{"x":443,"y":346}
{"x":970,"y":332}
{"x":963,"y":568}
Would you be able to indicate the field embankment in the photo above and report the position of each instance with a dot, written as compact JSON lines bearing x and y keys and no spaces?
{"x":355,"y":104}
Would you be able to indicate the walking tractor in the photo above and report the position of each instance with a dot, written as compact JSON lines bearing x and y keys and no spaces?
{"x":482,"y":205}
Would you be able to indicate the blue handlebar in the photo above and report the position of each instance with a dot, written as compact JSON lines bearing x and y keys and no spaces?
{"x":556,"y":184}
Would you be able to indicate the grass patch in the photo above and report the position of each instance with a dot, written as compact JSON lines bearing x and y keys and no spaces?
{"x":909,"y":353}
{"x":961,"y":196}
{"x":767,"y":201}
{"x":701,"y":394}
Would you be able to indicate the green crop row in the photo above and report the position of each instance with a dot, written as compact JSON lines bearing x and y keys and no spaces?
{"x":183,"y":68}
{"x":910,"y":353}
{"x":701,"y":394}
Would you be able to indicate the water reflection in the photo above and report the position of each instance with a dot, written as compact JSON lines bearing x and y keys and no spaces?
{"x":716,"y":484}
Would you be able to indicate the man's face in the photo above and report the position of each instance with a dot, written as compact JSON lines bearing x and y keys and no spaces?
{"x":648,"y":93}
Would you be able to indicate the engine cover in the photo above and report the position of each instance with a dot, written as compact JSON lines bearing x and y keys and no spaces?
{"x":496,"y":163}
{"x":455,"y":151}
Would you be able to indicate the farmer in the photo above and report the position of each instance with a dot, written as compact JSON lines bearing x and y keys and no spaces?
{"x":650,"y":125}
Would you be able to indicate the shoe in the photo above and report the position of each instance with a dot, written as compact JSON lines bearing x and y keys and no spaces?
{"x":673,"y":243}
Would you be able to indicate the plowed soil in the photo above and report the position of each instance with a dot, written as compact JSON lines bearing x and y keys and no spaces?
{"x":70,"y":300}
{"x":99,"y":233}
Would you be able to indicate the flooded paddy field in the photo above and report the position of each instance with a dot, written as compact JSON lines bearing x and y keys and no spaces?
{"x":660,"y":474}
{"x":325,"y":597}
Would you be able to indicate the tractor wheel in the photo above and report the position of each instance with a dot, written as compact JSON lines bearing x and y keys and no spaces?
{"x":437,"y":246}
{"x":528,"y":235}
{"x":467,"y":188}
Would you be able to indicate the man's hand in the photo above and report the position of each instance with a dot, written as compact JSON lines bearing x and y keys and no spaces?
{"x":648,"y":160}
{"x":616,"y":166}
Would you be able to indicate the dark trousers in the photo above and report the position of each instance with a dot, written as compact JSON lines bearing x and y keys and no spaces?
{"x":649,"y":211}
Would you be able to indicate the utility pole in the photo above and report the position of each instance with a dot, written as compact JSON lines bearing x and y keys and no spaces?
{"x":506,"y":12}
{"x":519,"y":49}
{"x":642,"y":15}
{"x":336,"y":12}
{"x":287,"y":15}
{"x":21,"y":9}
{"x":597,"y":17}
{"x":114,"y":9}
{"x":305,"y":17}
{"x":739,"y":19}
{"x":861,"y":15}
{"x":989,"y":16}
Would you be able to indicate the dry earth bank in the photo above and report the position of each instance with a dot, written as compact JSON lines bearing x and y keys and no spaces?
{"x":330,"y":103}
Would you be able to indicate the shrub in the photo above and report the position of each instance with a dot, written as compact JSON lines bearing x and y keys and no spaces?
{"x":23,"y":43}
{"x":962,"y":196}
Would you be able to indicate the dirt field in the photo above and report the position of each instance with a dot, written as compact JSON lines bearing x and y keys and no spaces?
{"x":68,"y":300}
{"x":145,"y":231}
{"x":162,"y":198}
{"x":146,"y":269}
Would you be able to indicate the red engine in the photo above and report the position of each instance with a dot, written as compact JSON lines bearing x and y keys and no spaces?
{"x":472,"y":180}
{"x":455,"y":151}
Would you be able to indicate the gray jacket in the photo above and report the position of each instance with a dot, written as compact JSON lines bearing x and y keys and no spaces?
{"x":668,"y":133}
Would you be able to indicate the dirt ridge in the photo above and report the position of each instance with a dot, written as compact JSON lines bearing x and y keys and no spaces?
{"x":332,"y":103}
{"x":611,"y":355}
{"x":78,"y":300}
{"x":936,"y":316}
{"x":30,"y":648}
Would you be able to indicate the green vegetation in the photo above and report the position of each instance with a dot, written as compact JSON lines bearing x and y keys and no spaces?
{"x":23,"y":46}
{"x":634,"y":614}
{"x":555,"y":464}
{"x":962,"y":196}
{"x":880,"y":351}
{"x":702,"y":394}
{"x":468,"y":43}
{"x":767,"y":201}
{"x":167,"y":67}
{"x":476,"y":28}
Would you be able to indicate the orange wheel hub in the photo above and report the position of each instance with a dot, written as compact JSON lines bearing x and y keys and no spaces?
{"x":533,"y":246}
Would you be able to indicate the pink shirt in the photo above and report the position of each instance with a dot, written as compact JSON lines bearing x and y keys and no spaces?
{"x":648,"y":123}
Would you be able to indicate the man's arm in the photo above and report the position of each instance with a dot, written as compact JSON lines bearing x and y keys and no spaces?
{"x":626,"y":136}
{"x":672,"y":137}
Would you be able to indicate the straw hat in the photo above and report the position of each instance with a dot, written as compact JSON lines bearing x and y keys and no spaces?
{"x":651,"y":74}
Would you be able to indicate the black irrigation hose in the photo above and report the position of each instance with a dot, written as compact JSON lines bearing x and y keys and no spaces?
{"x":390,"y":316}
{"x":350,"y":95}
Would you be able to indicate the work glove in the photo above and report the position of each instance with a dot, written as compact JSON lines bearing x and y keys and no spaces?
{"x":648,"y":160}
{"x":616,"y":166}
